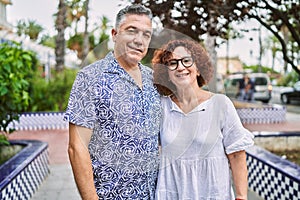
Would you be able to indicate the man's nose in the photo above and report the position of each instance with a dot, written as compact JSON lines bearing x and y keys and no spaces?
{"x":139,"y":37}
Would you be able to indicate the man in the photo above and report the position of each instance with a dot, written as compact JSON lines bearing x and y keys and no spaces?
{"x":249,"y":88}
{"x":245,"y":89}
{"x":114,"y":110}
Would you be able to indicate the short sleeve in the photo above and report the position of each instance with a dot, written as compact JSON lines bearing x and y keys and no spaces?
{"x":236,"y":137}
{"x":81,"y":107}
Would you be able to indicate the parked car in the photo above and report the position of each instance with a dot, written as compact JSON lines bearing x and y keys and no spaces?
{"x":262,"y":86}
{"x":290,"y":93}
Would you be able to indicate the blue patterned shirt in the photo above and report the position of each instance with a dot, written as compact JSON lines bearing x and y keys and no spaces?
{"x":125,"y":122}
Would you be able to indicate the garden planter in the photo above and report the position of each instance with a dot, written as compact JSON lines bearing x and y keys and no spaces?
{"x":22,"y":174}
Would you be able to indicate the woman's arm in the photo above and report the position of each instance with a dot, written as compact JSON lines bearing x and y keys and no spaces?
{"x":239,"y":170}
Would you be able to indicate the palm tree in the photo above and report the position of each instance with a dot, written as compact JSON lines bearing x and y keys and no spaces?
{"x":86,"y":46}
{"x":33,"y":29}
{"x":75,"y":11}
{"x":60,"y":25}
{"x":30,"y":28}
{"x":21,"y":27}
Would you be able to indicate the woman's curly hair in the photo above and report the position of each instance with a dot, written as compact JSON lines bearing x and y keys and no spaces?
{"x":164,"y":54}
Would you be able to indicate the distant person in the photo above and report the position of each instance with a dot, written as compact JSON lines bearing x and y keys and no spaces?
{"x":245,"y":89}
{"x":203,"y":141}
{"x":114,"y":115}
{"x":240,"y":89}
{"x":249,"y":89}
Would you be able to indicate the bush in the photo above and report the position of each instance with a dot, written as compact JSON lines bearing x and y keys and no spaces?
{"x":16,"y":67}
{"x":52,"y":95}
{"x":288,"y":80}
{"x":256,"y":68}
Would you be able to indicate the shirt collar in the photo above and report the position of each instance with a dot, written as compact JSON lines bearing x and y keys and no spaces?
{"x":200,"y":108}
{"x":113,"y":66}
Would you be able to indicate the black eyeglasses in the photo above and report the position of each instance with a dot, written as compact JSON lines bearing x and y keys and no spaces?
{"x":185,"y":61}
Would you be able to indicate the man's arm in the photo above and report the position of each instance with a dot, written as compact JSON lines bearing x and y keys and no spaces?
{"x":239,"y":173}
{"x":79,"y":156}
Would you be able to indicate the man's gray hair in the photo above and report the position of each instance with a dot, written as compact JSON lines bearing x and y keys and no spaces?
{"x":136,"y":9}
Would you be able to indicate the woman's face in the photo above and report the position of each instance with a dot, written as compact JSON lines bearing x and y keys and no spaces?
{"x":182,"y":76}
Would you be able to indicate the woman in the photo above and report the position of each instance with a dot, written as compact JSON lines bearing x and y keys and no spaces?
{"x":203,"y":141}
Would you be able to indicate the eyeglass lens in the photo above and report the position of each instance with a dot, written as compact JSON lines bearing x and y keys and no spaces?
{"x":186,"y":62}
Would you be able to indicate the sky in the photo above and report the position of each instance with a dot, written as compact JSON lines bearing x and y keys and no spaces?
{"x":42,"y":12}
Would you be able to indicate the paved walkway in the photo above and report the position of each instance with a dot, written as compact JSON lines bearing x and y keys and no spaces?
{"x":60,"y":185}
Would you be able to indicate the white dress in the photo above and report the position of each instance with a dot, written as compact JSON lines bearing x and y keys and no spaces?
{"x":194,"y":164}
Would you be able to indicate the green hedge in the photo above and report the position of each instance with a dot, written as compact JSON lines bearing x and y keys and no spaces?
{"x":51,"y":95}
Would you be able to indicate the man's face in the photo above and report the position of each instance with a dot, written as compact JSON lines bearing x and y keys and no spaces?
{"x":132,"y":38}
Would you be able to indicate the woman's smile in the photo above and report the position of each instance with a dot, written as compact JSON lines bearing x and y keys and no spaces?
{"x":182,"y":75}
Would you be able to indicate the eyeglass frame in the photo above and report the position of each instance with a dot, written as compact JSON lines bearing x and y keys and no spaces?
{"x":177,"y":63}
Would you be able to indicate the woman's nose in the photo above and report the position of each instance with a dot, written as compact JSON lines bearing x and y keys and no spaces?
{"x":180,"y":66}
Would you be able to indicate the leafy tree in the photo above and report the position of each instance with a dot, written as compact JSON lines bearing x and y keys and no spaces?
{"x":195,"y":18}
{"x":16,"y":66}
{"x":282,"y":19}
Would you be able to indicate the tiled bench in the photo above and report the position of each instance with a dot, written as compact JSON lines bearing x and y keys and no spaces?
{"x":262,"y":115}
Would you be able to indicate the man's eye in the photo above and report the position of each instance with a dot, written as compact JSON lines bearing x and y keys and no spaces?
{"x":132,"y":31}
{"x":147,"y":35}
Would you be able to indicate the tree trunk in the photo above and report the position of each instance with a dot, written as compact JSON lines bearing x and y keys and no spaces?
{"x":260,"y":50}
{"x":227,"y":56}
{"x":60,"y":38}
{"x":86,"y":46}
{"x":210,"y":45}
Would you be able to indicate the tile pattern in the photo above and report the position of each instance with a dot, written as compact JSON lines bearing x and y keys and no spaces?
{"x":26,"y":183}
{"x":271,"y":183}
{"x":40,"y":121}
{"x":262,"y":115}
